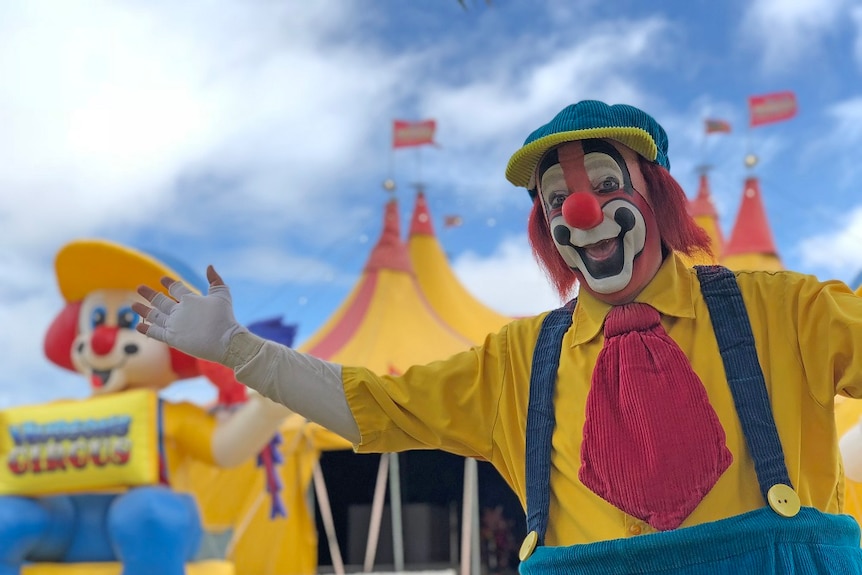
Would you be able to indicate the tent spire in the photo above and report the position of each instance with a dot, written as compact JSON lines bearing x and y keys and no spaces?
{"x":390,"y":252}
{"x":448,"y":297}
{"x":421,"y":221}
{"x":751,"y":245}
{"x":702,"y":209}
{"x":751,"y":233}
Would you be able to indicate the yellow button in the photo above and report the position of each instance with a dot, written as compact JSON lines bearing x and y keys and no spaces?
{"x":783,"y":500}
{"x":528,"y":546}
{"x":635,"y":529}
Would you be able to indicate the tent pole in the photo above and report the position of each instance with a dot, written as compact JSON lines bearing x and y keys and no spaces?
{"x":328,"y":523}
{"x":467,"y":511}
{"x":376,"y":514}
{"x":395,"y":505}
{"x":476,"y":530}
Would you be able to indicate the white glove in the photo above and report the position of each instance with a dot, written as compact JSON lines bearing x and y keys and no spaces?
{"x":199,"y":325}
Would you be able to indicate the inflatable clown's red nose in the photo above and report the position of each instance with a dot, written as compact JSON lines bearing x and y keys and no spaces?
{"x":582,"y":210}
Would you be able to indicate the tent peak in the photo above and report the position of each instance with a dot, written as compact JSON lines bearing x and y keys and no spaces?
{"x":751,"y":233}
{"x":390,"y":252}
{"x":702,"y":204}
{"x":420,"y":224}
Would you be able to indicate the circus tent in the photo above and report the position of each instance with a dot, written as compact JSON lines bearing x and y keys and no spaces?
{"x":386,"y":323}
{"x":751,"y":245}
{"x":406,"y":308}
{"x":448,"y":297}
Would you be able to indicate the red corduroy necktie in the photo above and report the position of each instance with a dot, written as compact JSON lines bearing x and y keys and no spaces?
{"x":652,"y":444}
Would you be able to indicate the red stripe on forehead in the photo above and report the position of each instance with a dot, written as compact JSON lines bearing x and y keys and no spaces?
{"x":571,"y":157}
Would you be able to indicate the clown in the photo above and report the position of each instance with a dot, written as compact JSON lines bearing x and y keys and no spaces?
{"x":149,"y":528}
{"x":670,"y":420}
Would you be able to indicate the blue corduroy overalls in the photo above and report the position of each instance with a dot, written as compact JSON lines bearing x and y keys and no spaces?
{"x":779,"y":538}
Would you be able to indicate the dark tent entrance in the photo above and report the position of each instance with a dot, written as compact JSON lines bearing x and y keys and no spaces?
{"x":432,"y":496}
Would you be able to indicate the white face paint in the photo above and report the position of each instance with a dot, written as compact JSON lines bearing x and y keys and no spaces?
{"x":607,"y":246}
{"x":605,"y":253}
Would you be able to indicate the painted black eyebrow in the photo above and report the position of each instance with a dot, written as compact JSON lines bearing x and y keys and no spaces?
{"x":603,"y":147}
{"x":551,"y":158}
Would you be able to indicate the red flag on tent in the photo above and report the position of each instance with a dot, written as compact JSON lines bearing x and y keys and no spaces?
{"x":770,"y":108}
{"x":452,"y":221}
{"x":717,"y":126}
{"x":405,"y":134}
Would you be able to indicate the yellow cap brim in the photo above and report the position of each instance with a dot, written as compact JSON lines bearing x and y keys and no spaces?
{"x":522,"y":166}
{"x":84,"y":266}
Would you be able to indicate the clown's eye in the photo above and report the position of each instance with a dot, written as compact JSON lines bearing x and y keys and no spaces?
{"x":555,"y":201}
{"x":126,"y":317}
{"x":609,"y":184}
{"x":98,"y":317}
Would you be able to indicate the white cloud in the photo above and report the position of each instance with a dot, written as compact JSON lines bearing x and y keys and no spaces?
{"x":271,"y":266}
{"x":836,"y":252}
{"x":843,"y":132}
{"x":525,"y":85}
{"x":847,"y":117}
{"x":106,"y":106}
{"x":786,"y":31}
{"x":133,"y":120}
{"x":509,"y":280}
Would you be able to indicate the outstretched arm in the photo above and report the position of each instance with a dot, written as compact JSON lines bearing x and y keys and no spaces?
{"x":246,"y":431}
{"x":204,"y":326}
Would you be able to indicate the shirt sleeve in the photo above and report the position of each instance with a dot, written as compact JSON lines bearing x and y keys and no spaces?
{"x":307,"y":385}
{"x":828,"y":318}
{"x":450,"y":404}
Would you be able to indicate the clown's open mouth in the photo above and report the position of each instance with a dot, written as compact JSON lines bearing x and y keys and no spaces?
{"x":605,"y":258}
{"x":99,"y":377}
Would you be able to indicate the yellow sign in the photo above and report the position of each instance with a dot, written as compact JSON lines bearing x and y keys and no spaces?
{"x":106,"y":442}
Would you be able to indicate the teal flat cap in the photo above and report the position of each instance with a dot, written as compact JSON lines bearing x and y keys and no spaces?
{"x":585,"y":120}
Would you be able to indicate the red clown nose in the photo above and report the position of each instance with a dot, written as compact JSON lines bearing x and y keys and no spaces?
{"x":581,"y":210}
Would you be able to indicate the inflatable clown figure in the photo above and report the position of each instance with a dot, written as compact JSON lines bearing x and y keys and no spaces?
{"x":91,"y":482}
{"x":670,"y":420}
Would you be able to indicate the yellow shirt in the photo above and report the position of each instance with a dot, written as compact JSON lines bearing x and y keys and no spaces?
{"x":187,"y":432}
{"x":475,"y":403}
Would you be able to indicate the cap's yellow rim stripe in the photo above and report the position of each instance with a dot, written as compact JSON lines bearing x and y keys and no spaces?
{"x":523,"y":163}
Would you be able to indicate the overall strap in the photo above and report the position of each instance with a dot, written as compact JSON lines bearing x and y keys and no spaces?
{"x":540,"y":416}
{"x":744,"y":376}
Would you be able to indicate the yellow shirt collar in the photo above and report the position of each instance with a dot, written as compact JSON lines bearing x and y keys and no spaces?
{"x":670,"y":292}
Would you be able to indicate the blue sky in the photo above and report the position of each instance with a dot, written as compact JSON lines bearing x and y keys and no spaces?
{"x":255,"y":136}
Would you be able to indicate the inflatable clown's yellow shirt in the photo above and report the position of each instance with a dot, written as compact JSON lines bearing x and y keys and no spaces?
{"x":235,"y":502}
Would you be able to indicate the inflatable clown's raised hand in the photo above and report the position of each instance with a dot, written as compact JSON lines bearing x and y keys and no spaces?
{"x":91,"y":480}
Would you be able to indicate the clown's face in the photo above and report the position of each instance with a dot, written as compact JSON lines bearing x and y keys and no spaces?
{"x":111,"y":352}
{"x":597,"y":206}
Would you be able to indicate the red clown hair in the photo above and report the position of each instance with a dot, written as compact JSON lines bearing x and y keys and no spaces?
{"x":678,"y":230}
